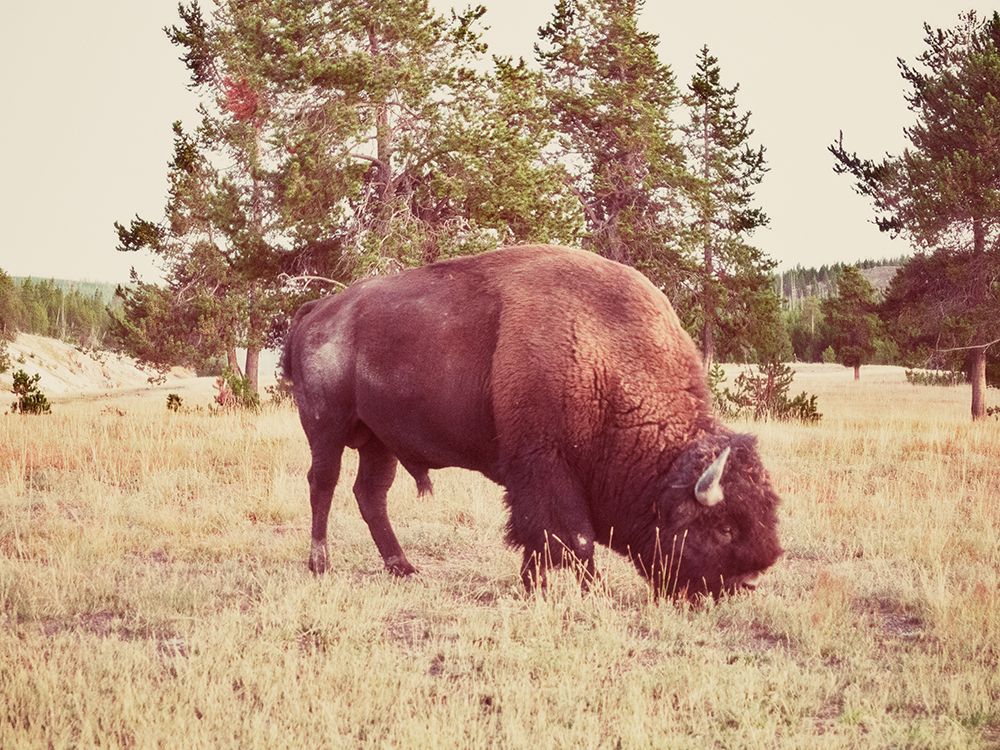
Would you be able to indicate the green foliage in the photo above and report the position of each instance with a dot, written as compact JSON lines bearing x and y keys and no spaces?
{"x":336,"y":140}
{"x":280,"y":394}
{"x":761,"y":395}
{"x":612,"y":100}
{"x":752,"y":329}
{"x":850,"y":319}
{"x":829,"y":355}
{"x":943,"y":193}
{"x":30,"y":398}
{"x":886,"y":351}
{"x":234,"y":391}
{"x":716,"y":377}
{"x":174,"y":402}
{"x":806,"y":332}
{"x":801,"y":283}
{"x":165,"y":326}
{"x":72,"y":312}
{"x":928,"y":306}
{"x":733,"y":277}
{"x":935,"y":377}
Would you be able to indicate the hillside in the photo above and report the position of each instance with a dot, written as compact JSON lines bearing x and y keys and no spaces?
{"x":68,"y":370}
{"x":880,"y":276}
{"x":103,"y":289}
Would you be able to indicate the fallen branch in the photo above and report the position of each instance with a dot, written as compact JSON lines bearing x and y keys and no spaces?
{"x":309,"y":279}
{"x":987,"y":345}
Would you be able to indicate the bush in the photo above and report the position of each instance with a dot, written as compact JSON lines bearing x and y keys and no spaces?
{"x":30,"y":399}
{"x":934,"y":377}
{"x":761,"y":395}
{"x":829,"y":356}
{"x":716,"y":385}
{"x":174,"y":402}
{"x":280,"y":394}
{"x":235,"y":392}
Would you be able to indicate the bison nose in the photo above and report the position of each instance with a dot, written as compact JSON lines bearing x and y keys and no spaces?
{"x":750,"y":581}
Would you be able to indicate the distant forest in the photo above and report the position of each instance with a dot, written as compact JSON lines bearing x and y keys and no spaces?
{"x":73,"y":311}
{"x":797,"y":283}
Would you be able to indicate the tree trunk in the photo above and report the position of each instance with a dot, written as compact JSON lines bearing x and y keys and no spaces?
{"x":234,"y":363}
{"x":978,"y":370}
{"x":708,"y":295}
{"x":383,"y":132}
{"x":708,"y":344}
{"x":857,"y":372}
{"x":253,"y":362}
{"x":978,"y":374}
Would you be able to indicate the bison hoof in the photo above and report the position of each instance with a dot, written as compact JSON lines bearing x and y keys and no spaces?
{"x":317,"y":559}
{"x":399,"y":566}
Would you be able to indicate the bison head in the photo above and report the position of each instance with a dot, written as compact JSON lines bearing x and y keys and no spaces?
{"x":716,"y":520}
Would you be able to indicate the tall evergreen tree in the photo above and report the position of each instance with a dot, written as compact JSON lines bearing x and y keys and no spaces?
{"x":337,"y":139}
{"x":943,"y":191}
{"x":851,"y":321}
{"x":613,"y":102}
{"x":394,"y":138}
{"x":733,"y":277}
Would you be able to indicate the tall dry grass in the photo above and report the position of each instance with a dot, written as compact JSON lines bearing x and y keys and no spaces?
{"x":153,"y":592}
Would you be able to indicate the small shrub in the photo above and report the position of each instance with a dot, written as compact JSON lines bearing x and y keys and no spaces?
{"x":762,"y":395}
{"x":934,"y":377}
{"x":30,"y":399}
{"x":174,"y":402}
{"x":716,"y":385}
{"x":829,"y":356}
{"x":993,"y":411}
{"x":280,"y":394}
{"x":233,"y":391}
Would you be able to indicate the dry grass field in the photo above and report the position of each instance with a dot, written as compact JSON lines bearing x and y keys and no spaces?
{"x":154,"y":592}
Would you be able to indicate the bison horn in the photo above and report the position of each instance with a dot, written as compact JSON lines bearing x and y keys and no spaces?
{"x":709,"y":487}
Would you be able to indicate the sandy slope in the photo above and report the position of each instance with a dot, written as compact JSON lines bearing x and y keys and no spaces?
{"x":68,"y":370}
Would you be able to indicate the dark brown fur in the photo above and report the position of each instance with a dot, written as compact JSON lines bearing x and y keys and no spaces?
{"x":560,"y":375}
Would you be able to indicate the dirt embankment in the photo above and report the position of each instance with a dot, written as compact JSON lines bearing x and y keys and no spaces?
{"x":68,"y":370}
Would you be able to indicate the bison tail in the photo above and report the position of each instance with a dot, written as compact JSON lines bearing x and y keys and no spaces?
{"x":286,"y":351}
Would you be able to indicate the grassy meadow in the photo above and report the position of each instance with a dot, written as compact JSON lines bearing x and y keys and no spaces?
{"x":154,"y":592}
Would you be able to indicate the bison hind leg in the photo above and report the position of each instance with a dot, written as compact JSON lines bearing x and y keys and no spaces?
{"x":376,"y":471}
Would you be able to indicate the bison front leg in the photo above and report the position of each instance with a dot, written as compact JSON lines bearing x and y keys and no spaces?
{"x":376,"y":471}
{"x":549,"y":519}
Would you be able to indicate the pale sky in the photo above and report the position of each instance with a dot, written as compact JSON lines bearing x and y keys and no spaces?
{"x":89,"y":91}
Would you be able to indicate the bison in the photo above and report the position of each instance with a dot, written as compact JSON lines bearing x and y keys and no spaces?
{"x":558,"y":374}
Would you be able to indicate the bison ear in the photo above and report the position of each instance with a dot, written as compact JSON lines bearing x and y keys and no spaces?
{"x":708,"y":490}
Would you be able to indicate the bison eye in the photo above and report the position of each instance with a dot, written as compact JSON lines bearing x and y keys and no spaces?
{"x":726,"y":532}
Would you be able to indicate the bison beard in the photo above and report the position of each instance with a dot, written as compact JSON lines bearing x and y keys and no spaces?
{"x":562,"y":376}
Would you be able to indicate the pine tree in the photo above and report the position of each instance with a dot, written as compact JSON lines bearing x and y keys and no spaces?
{"x":851,"y":321}
{"x":613,"y":102}
{"x":394,"y":140}
{"x":336,"y":140}
{"x":943,"y":192}
{"x":733,"y":277}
